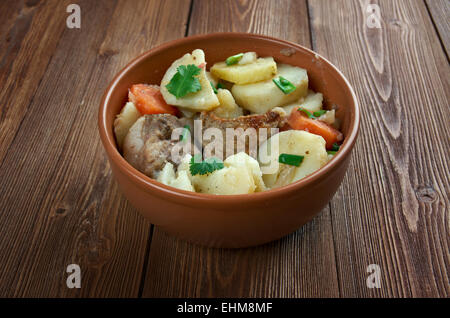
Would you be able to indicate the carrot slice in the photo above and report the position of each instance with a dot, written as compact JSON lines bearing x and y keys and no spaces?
{"x":300,"y":121}
{"x":149,"y":100}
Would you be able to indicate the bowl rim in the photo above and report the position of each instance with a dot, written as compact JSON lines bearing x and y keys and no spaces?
{"x":161,"y":189}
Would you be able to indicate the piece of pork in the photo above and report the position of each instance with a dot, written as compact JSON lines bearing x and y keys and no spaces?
{"x":148,"y":144}
{"x":275,"y":118}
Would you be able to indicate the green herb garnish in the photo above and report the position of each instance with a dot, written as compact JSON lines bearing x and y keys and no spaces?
{"x":335,"y":147}
{"x":185,"y":133}
{"x":206,"y":166}
{"x":308,"y":113}
{"x":184,"y":81}
{"x":284,"y":85}
{"x":214,"y":89}
{"x":314,"y":115}
{"x":219,"y":85}
{"x":234,"y":59}
{"x":319,"y":113}
{"x":292,"y":160}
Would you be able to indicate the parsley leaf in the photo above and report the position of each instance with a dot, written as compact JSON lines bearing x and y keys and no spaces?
{"x":204,"y":167}
{"x":184,"y":81}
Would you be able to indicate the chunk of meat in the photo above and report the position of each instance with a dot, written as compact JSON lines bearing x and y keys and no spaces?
{"x":148,"y":144}
{"x":275,"y":118}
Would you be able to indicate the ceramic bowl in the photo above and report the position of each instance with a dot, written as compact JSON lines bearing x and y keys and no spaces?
{"x":236,"y":220}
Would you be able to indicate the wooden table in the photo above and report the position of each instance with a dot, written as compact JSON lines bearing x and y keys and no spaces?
{"x":59,"y":204}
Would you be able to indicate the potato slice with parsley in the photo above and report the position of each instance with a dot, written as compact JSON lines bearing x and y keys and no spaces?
{"x":200,"y":95}
{"x":252,"y":72}
{"x":298,"y":143}
{"x":239,"y":174}
{"x":263,"y":96}
{"x":123,"y":122}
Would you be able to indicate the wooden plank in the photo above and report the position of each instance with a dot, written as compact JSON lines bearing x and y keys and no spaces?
{"x":29,"y":34}
{"x":440,"y":14}
{"x":392,"y":209}
{"x":59,"y":203}
{"x":300,"y":265}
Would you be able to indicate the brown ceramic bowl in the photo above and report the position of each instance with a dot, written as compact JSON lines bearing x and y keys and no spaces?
{"x":234,"y":220}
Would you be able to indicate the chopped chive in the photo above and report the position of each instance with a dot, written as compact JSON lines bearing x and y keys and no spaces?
{"x":319,"y":113}
{"x":335,"y":147}
{"x":292,"y":160}
{"x":219,"y":85}
{"x":214,"y":89}
{"x":186,"y":131}
{"x":284,"y":85}
{"x":234,"y":59}
{"x":204,"y":167}
{"x":308,"y":113}
{"x":331,"y":152}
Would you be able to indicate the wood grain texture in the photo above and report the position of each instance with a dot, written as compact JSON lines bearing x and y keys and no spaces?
{"x":392,"y":209}
{"x":59,"y":203}
{"x":440,"y":14}
{"x":29,"y":34}
{"x":300,"y":265}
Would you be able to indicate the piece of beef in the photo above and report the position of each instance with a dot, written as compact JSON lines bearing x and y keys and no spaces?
{"x":275,"y":118}
{"x":148,"y":145}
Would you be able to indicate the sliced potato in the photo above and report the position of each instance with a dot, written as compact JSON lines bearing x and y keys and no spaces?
{"x":181,"y":181}
{"x":229,"y":180}
{"x":263,"y":96}
{"x":240,"y":175}
{"x":295,"y":142}
{"x":228,"y":107}
{"x":329,"y":117}
{"x":243,"y":160}
{"x":260,"y":70}
{"x":247,"y":58}
{"x":167,"y":174}
{"x":295,"y":105}
{"x":205,"y":99}
{"x":187,"y":113}
{"x":214,"y":80}
{"x":123,"y":122}
{"x":313,"y":101}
